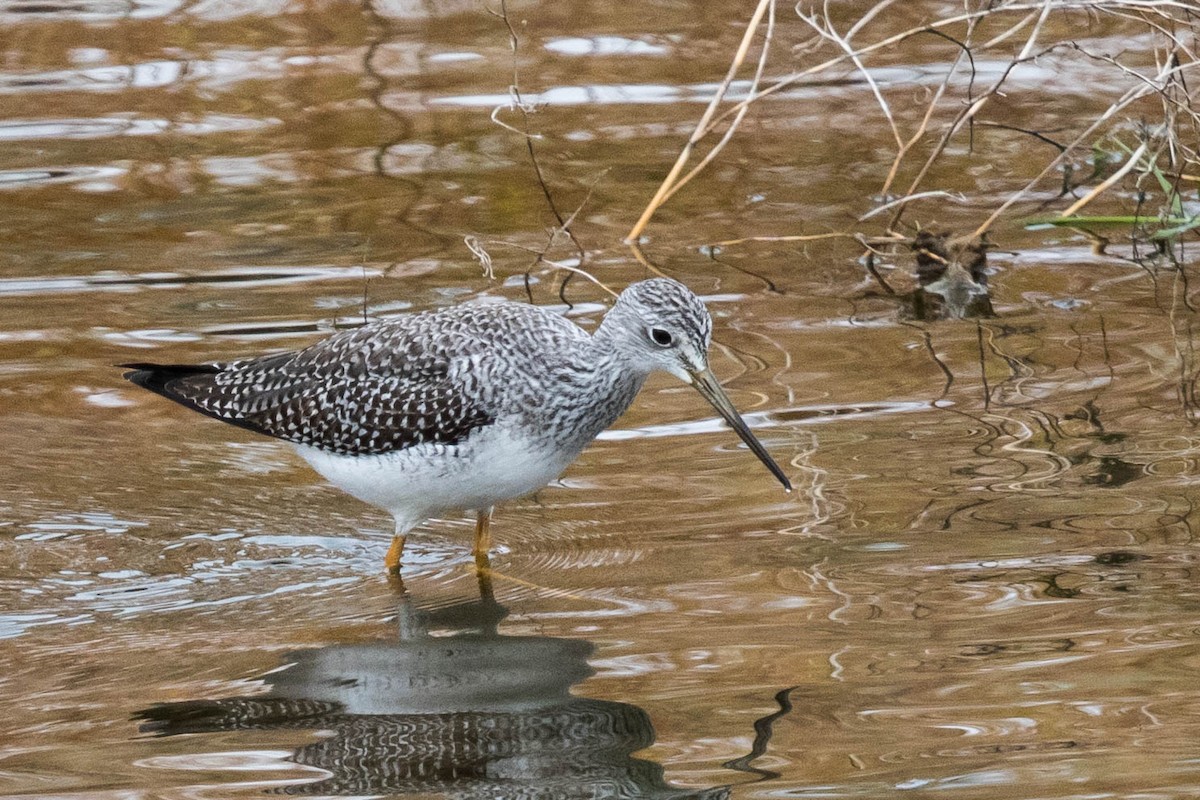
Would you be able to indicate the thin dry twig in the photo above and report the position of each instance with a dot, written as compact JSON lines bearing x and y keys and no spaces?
{"x":823,"y":27}
{"x":958,"y":197}
{"x":481,"y":255}
{"x":583,"y":273}
{"x":518,"y":103}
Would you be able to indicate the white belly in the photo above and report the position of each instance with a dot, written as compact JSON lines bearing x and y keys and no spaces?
{"x":429,"y":480}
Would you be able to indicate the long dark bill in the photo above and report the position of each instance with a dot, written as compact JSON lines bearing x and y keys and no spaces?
{"x":706,"y":384}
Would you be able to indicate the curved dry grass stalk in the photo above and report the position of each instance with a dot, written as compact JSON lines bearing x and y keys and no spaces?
{"x":481,"y":255}
{"x":824,"y":29}
{"x":737,"y":120}
{"x":670,"y":183}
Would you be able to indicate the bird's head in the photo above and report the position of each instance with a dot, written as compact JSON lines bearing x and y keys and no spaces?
{"x":659,"y":325}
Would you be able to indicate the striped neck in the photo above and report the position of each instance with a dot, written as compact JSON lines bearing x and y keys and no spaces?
{"x":590,"y":391}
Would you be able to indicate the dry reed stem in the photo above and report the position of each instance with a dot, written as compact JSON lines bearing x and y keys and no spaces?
{"x":1176,"y":21}
{"x":1103,"y":186}
{"x":737,"y":120}
{"x":812,"y":237}
{"x":668,"y":185}
{"x":645,"y":262}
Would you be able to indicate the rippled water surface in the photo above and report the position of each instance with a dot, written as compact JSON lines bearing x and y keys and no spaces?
{"x":984,"y":586}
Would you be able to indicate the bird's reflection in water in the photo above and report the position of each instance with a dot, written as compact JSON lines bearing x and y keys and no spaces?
{"x":453,"y":707}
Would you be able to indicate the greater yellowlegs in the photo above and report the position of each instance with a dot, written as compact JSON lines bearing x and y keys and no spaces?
{"x":459,"y":408}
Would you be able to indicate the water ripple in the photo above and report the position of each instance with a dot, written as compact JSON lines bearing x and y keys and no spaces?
{"x":93,"y":178}
{"x":249,"y":277}
{"x":102,"y":127}
{"x":803,"y":415}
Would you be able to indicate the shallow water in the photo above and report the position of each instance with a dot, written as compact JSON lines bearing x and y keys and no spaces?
{"x":984,"y":585}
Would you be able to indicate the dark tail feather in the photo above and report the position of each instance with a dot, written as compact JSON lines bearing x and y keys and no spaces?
{"x":165,"y":380}
{"x":158,"y":377}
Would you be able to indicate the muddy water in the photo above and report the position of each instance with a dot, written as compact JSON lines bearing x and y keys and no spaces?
{"x":985,"y":585}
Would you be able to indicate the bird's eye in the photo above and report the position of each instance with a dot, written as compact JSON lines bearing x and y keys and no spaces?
{"x":661,"y":338}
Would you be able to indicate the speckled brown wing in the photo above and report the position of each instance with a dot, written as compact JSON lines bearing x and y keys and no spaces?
{"x":374,"y":390}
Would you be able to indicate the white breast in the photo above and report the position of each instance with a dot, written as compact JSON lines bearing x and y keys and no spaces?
{"x":492,"y":465}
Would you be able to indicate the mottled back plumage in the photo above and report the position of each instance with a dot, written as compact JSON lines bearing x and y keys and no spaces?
{"x":386,"y":386}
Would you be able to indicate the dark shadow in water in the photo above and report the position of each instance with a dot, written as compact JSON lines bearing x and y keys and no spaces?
{"x":452,"y":706}
{"x":764,"y":729}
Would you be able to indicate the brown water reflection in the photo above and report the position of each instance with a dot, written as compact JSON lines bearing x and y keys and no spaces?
{"x":985,"y":585}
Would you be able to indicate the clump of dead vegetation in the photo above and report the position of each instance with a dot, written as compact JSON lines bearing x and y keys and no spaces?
{"x":1145,"y":143}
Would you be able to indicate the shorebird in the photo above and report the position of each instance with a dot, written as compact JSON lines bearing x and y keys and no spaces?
{"x":458,"y":408}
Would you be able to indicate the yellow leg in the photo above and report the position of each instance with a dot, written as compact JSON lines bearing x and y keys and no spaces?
{"x":483,"y":538}
{"x":391,"y":561}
